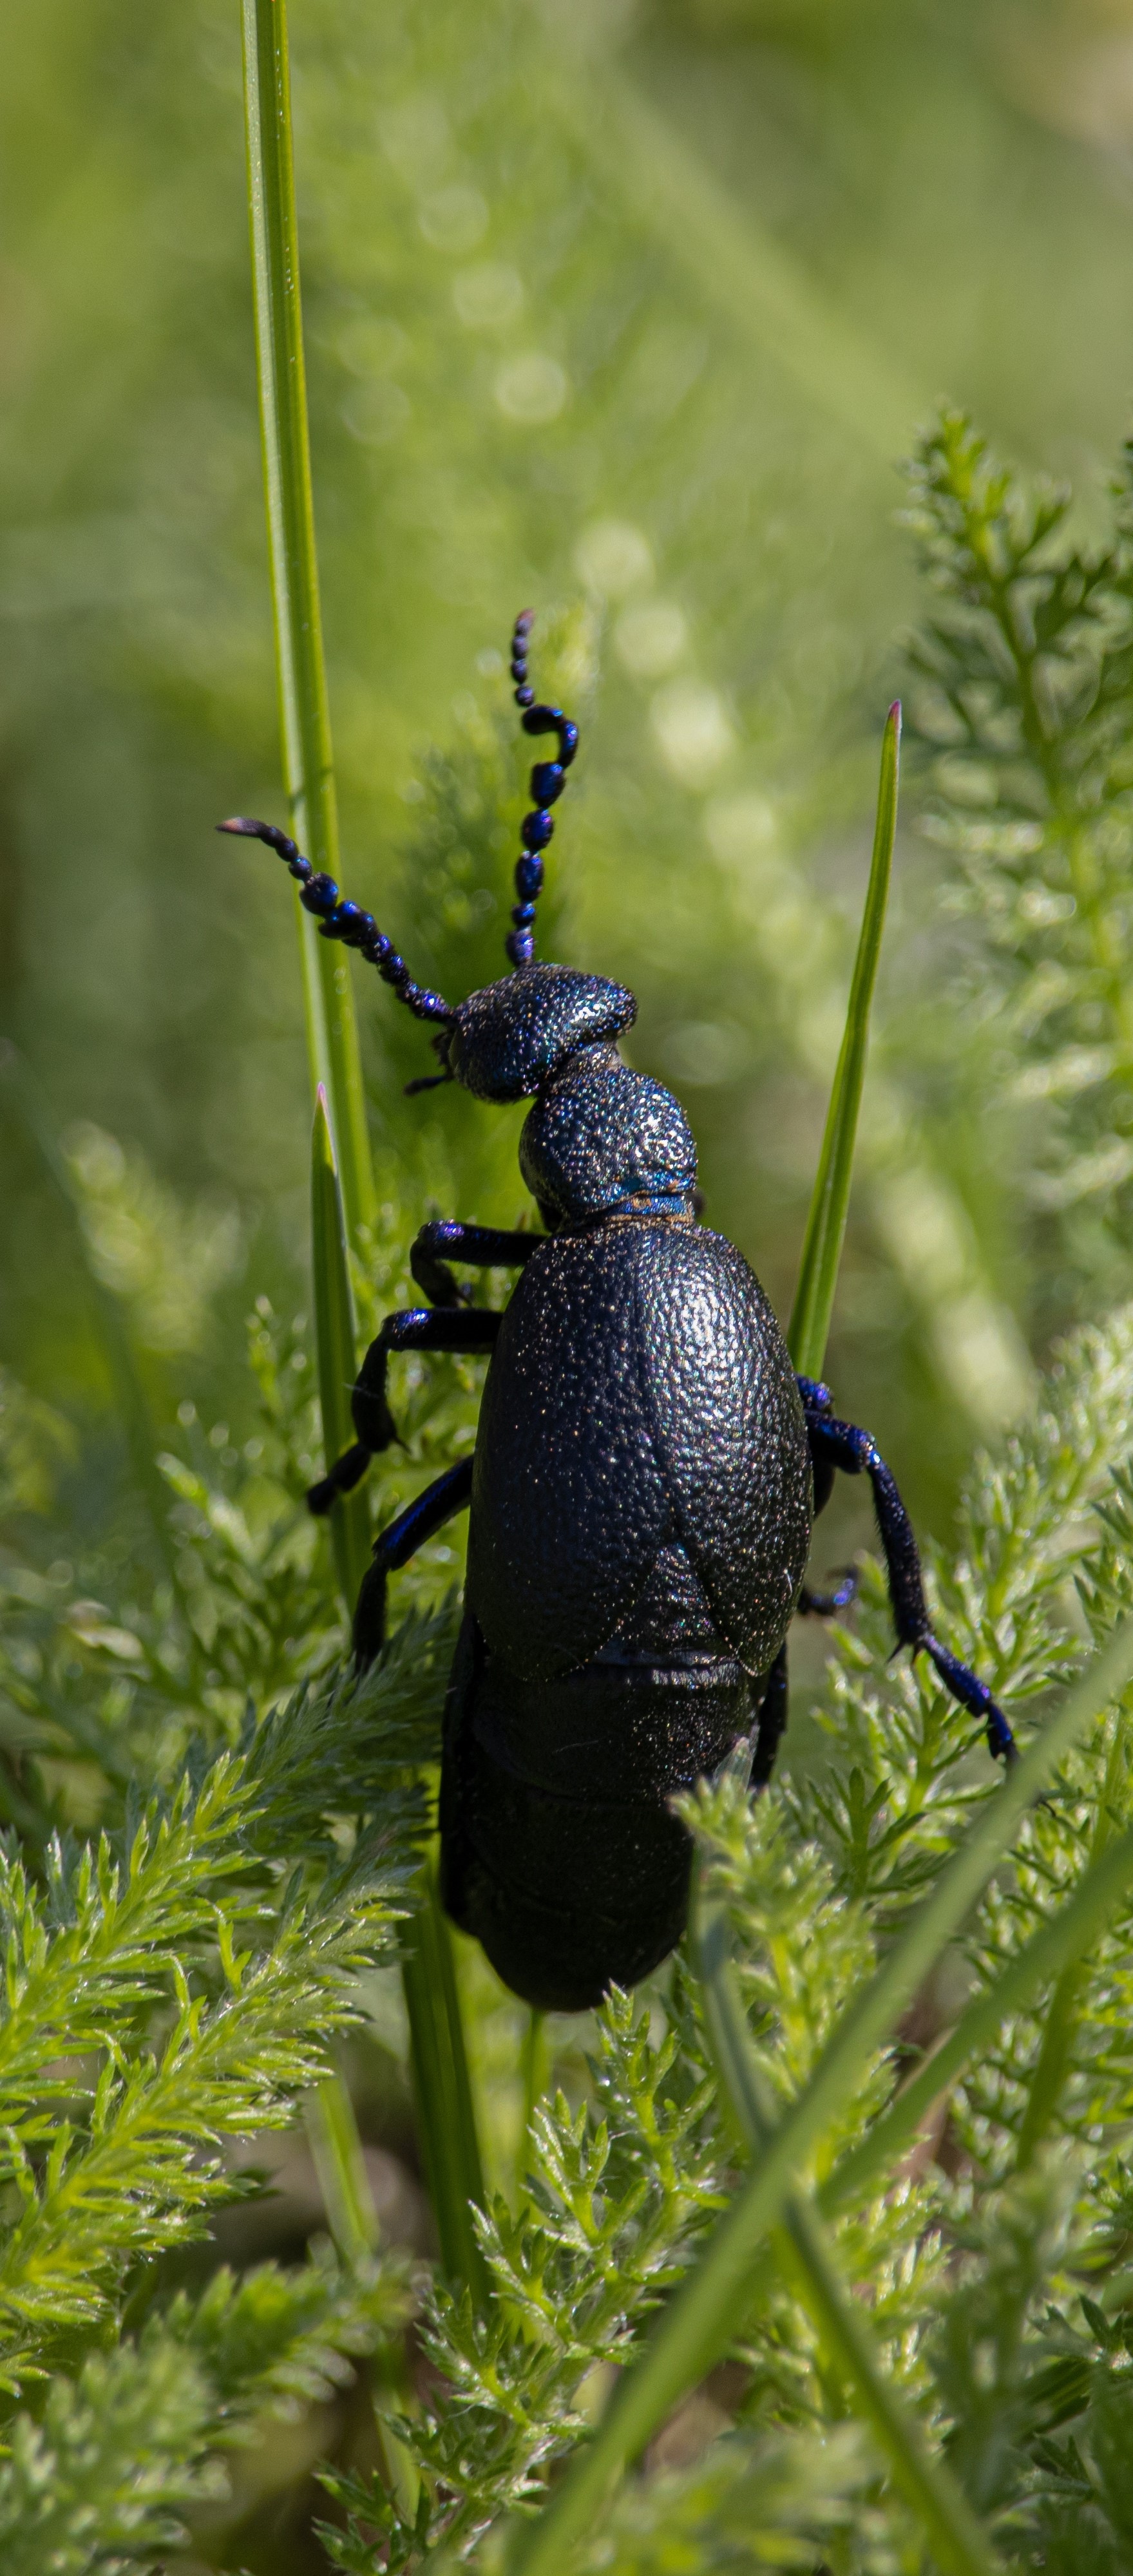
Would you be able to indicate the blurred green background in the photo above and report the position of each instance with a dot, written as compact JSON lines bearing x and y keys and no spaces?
{"x":627,"y":312}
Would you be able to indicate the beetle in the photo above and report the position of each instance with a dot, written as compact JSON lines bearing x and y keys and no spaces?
{"x":646,"y":1473}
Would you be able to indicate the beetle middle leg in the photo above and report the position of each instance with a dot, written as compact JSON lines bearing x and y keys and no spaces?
{"x":487,"y":1248}
{"x":841,"y":1444}
{"x":425,"y":1328}
{"x":393,"y":1547}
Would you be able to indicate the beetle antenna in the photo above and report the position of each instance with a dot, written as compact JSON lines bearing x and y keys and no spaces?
{"x":548,"y":779}
{"x":339,"y":919}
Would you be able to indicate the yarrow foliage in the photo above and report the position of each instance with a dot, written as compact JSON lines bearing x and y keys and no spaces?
{"x":1023,"y":693}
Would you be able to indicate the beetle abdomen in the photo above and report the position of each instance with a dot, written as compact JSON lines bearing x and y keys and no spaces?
{"x":559,"y":1850}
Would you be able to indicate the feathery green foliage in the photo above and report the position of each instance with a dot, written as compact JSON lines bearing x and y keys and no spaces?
{"x":1024,"y":694}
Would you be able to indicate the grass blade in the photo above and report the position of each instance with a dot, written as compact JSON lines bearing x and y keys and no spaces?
{"x":826,"y":1224}
{"x":1050,"y":1953}
{"x":334,"y":1344}
{"x":341,"y":2167}
{"x":709,"y":2307}
{"x":446,"y":2115}
{"x":332,"y":1034}
{"x":440,"y":2063}
{"x":927,"y":2484}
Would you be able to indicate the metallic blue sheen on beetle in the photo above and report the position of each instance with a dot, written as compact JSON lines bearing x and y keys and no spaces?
{"x":646,"y":1475}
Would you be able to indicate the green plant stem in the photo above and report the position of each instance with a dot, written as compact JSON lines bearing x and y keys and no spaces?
{"x":925,"y":2481}
{"x":440,"y":2061}
{"x":708,"y":2309}
{"x":335,"y":1350}
{"x":446,"y":2113}
{"x":141,"y":1434}
{"x":809,"y":1327}
{"x":332,"y":1034}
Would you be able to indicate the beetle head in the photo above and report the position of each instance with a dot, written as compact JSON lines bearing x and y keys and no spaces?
{"x":502,"y":1043}
{"x":506,"y":1041}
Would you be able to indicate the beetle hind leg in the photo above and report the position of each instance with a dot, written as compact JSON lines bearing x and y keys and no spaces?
{"x":843,"y":1444}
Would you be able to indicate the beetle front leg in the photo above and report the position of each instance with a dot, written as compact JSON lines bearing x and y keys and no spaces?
{"x":842,"y":1444}
{"x":485,"y":1247}
{"x":393,"y":1548}
{"x":434,"y":1328}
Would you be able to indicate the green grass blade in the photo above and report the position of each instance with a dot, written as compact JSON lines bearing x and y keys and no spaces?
{"x":1054,"y":1951}
{"x":332,"y":1034}
{"x":710,"y":2305}
{"x":334,"y":1345}
{"x":341,"y":2167}
{"x":133,"y":1403}
{"x":826,"y":1224}
{"x":442,"y":2082}
{"x":1050,"y":1953}
{"x":925,"y":2481}
{"x":445,"y":2111}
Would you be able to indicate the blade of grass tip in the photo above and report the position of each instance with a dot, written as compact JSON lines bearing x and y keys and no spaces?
{"x":927,"y":2484}
{"x":809,"y":1327}
{"x":446,"y":2116}
{"x":708,"y":2309}
{"x":332,"y":1033}
{"x":334,"y":1343}
{"x":137,"y":1421}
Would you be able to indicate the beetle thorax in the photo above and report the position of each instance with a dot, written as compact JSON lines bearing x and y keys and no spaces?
{"x":602,"y":1140}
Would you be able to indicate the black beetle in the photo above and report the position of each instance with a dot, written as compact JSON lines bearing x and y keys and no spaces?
{"x":646,"y":1473}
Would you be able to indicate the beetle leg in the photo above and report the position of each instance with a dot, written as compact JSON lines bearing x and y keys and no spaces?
{"x":842,"y":1444}
{"x":486,"y":1247}
{"x":425,"y":1328}
{"x":394,"y":1546}
{"x":770,"y":1722}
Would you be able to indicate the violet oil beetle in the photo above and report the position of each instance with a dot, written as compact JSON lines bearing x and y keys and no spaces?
{"x":646,"y":1473}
